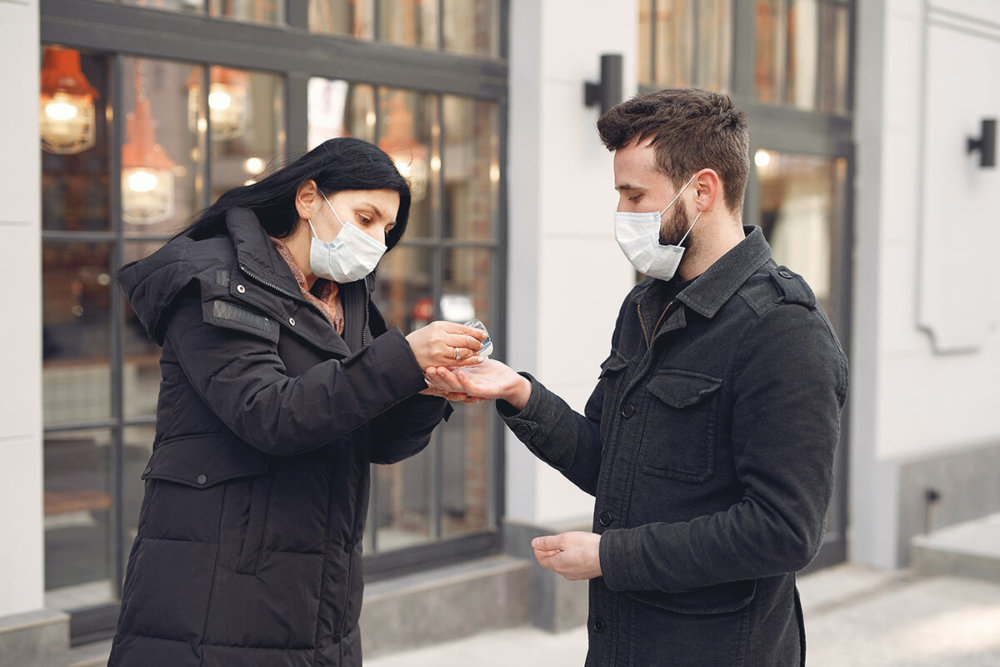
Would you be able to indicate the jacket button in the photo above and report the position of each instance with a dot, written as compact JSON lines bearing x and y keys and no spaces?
{"x":523,"y":430}
{"x":348,"y":546}
{"x":291,"y":321}
{"x":785,"y":274}
{"x":628,"y":410}
{"x":600,"y":625}
{"x":241,"y":289}
{"x":605,"y":518}
{"x":337,"y":638}
{"x":201,"y":479}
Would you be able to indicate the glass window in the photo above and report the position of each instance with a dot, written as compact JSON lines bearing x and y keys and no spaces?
{"x":470,"y":27}
{"x":161,"y":157}
{"x":409,"y":22}
{"x":343,"y":17}
{"x":802,"y":53}
{"x":251,"y":11}
{"x":685,"y":43}
{"x":471,"y":165}
{"x":245,"y":126}
{"x":803,"y":215}
{"x":77,"y":502}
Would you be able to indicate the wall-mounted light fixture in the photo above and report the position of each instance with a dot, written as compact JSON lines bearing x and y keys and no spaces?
{"x":608,"y":91}
{"x":986,"y":143}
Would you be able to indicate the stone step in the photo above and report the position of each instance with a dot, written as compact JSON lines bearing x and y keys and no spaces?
{"x":970,"y":549}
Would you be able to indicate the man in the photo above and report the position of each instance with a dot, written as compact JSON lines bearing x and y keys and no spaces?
{"x":709,"y":440}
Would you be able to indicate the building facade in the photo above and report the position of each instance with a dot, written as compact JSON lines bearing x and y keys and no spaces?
{"x":864,"y":180}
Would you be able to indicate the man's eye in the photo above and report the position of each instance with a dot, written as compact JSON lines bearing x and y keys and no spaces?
{"x":635,"y":198}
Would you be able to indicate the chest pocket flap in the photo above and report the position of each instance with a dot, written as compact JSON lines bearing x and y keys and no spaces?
{"x":680,"y":389}
{"x":679,"y":439}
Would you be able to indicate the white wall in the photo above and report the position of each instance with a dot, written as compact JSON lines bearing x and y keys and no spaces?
{"x":566,"y":275}
{"x":927,"y":319}
{"x":21,"y":548}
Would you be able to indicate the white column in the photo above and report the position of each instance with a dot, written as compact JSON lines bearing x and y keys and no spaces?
{"x":566,"y":275}
{"x":21,"y":550}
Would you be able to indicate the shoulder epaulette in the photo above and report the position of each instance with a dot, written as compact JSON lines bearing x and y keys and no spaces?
{"x":793,"y":287}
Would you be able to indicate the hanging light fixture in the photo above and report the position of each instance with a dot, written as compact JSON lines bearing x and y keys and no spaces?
{"x":147,"y":170}
{"x":408,"y":154}
{"x":65,"y":104}
{"x":227,"y":102}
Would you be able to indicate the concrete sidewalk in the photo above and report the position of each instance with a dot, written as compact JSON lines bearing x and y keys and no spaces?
{"x":855,"y":617}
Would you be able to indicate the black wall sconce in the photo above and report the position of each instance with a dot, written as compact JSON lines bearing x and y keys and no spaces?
{"x":607,"y":92}
{"x":986,"y":144}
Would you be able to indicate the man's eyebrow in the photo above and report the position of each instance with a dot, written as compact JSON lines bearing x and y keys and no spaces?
{"x":627,"y":186}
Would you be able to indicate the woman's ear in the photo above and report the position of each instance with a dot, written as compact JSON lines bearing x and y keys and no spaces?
{"x":305,"y":198}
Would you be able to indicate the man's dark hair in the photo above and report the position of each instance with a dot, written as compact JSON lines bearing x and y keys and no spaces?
{"x":690,"y":129}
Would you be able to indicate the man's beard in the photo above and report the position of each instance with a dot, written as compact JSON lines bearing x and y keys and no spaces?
{"x":675,"y":227}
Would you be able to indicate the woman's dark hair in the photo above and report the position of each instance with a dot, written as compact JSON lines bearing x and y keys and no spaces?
{"x":337,"y":164}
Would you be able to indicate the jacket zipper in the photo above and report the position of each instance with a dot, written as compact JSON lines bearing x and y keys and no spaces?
{"x":642,"y":323}
{"x":271,"y":286}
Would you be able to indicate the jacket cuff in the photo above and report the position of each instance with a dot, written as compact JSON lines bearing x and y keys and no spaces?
{"x":524,"y":423}
{"x":391,"y":354}
{"x":617,"y":552}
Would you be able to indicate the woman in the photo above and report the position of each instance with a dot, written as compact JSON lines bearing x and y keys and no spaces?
{"x":280,"y":385}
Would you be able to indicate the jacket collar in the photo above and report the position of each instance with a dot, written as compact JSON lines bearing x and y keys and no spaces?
{"x":712,"y":289}
{"x":255,"y":252}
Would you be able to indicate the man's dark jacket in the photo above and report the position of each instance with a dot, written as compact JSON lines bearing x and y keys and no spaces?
{"x":249,"y":539}
{"x":709,"y":445}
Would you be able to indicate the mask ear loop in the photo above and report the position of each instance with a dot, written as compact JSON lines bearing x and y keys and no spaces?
{"x":681,"y":242}
{"x":678,"y":194}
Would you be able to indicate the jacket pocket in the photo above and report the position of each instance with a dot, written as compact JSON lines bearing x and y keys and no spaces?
{"x":719,"y":599}
{"x":612,"y":374}
{"x":679,"y":439}
{"x":220,"y":468}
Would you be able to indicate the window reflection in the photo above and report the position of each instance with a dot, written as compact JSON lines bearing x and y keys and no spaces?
{"x":803,"y":217}
{"x":343,"y":17}
{"x":251,"y":11}
{"x":685,"y":43}
{"x":248,"y":140}
{"x":471,"y":168}
{"x":160,"y":154}
{"x":470,"y":27}
{"x":802,"y":53}
{"x":77,"y":506}
{"x":407,"y":123}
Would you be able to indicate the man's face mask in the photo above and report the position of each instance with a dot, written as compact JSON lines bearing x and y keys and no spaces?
{"x":638,"y":235}
{"x":350,"y":256}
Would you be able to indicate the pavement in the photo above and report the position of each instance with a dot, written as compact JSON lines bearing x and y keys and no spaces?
{"x":855,"y":617}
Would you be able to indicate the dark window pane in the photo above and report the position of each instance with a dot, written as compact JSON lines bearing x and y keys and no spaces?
{"x":78,"y":519}
{"x":76,"y":288}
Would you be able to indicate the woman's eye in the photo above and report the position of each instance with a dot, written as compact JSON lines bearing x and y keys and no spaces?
{"x":364,"y":220}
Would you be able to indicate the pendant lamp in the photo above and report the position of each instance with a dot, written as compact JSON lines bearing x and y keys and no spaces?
{"x":227,"y":101}
{"x":65,"y":104}
{"x":147,"y":170}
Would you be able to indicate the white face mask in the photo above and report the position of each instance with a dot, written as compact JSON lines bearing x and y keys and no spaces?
{"x":638,"y":235}
{"x":350,"y":256}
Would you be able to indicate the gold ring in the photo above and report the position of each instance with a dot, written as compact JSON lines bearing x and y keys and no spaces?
{"x":458,"y":354}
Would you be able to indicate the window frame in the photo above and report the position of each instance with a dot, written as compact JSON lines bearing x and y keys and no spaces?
{"x":296,"y":54}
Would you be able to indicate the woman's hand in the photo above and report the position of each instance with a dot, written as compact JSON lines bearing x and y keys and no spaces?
{"x":446,"y":344}
{"x":453,"y":396}
{"x":490,"y":379}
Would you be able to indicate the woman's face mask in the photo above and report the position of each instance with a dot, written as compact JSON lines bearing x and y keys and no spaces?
{"x":350,"y":256}
{"x":638,"y":235}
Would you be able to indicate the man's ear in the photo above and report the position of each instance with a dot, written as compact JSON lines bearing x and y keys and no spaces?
{"x":708,"y":189}
{"x":305,"y":198}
